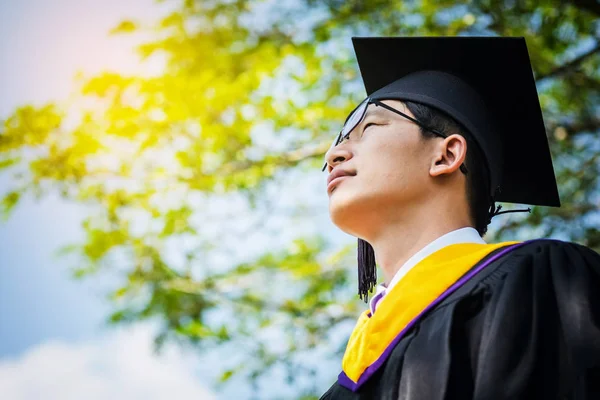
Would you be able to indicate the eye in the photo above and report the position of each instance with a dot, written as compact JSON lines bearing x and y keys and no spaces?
{"x":356,"y":132}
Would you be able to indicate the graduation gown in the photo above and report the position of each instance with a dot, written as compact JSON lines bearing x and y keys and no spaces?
{"x":521,"y":322}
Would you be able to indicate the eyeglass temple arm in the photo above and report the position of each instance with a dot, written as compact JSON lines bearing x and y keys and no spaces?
{"x":463,"y":167}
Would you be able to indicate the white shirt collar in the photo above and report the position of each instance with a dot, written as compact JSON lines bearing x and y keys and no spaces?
{"x":462,"y":235}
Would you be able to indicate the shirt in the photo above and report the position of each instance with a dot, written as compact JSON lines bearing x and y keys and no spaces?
{"x":462,"y":235}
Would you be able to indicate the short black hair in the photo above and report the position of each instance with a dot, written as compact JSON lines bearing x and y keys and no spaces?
{"x":478,"y":178}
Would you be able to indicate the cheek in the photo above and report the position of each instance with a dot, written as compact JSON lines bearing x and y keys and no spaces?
{"x":389,"y":174}
{"x":389,"y":166}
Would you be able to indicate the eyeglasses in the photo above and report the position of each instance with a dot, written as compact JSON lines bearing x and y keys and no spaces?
{"x":356,"y":117}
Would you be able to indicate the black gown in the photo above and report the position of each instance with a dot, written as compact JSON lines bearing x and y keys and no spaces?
{"x":525,"y":327}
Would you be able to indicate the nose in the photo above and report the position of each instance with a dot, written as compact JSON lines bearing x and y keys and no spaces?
{"x":337,"y":155}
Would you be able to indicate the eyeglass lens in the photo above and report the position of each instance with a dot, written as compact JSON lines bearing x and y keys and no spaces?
{"x":354,"y":119}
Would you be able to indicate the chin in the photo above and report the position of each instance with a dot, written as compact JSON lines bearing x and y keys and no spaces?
{"x":347,"y":210}
{"x":353,"y":210}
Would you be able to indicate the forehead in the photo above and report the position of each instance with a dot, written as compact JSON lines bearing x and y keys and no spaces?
{"x":374,"y":110}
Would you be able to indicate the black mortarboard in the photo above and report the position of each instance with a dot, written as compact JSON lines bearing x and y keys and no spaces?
{"x":486,"y":84}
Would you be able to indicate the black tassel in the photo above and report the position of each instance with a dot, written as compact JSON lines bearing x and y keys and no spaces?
{"x":495,"y":210}
{"x":367,"y":272}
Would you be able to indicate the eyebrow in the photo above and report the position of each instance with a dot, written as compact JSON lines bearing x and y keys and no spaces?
{"x":375,"y":111}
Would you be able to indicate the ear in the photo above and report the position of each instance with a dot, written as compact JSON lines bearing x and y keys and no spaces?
{"x":449,"y":155}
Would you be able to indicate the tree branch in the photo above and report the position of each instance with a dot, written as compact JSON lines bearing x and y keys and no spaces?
{"x":568,"y":66}
{"x":284,"y":160}
{"x":589,"y":5}
{"x":586,"y":125}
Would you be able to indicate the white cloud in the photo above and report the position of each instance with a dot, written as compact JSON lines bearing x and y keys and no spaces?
{"x":121,"y":365}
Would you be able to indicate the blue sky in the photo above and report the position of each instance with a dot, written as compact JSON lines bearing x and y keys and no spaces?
{"x":54,"y":343}
{"x":43,"y":44}
{"x":38,"y":301}
{"x":53,"y":339}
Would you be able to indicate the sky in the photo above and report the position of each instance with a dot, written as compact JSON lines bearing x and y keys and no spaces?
{"x":54,"y":343}
{"x":115,"y":366}
{"x":54,"y":340}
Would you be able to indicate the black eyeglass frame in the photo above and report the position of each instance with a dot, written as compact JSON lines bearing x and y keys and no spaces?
{"x":365,"y":105}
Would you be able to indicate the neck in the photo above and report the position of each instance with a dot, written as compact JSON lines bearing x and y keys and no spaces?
{"x":396,"y":242}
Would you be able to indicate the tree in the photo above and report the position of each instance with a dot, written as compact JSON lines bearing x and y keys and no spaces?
{"x":199,"y":159}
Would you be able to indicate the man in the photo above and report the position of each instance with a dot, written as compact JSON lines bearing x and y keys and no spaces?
{"x":449,"y":127}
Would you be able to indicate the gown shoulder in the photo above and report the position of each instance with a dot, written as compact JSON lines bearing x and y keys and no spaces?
{"x":527,"y":326}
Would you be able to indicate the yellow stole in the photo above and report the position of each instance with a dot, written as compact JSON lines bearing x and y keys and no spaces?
{"x":372,"y":340}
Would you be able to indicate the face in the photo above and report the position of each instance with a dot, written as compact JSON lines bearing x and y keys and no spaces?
{"x":389,"y":162}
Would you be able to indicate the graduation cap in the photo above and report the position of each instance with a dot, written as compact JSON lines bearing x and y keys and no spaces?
{"x":484,"y":83}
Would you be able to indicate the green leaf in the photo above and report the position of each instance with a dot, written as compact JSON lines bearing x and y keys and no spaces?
{"x":9,"y":201}
{"x":125,"y":26}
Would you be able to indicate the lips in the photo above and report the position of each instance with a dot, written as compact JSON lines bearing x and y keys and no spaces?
{"x":337,"y":174}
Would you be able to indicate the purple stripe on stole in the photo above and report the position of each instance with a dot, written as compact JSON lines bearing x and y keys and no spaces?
{"x":376,"y":300}
{"x":348,"y":383}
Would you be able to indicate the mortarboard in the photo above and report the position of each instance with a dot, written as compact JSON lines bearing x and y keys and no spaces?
{"x":486,"y":84}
